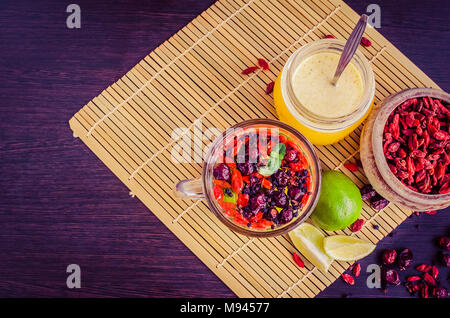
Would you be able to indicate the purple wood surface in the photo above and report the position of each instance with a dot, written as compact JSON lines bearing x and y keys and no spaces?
{"x":60,"y":205}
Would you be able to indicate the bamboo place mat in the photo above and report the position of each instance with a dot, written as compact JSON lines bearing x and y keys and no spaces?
{"x":196,"y":74}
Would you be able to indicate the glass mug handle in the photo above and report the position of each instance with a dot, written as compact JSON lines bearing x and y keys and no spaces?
{"x":189,"y":189}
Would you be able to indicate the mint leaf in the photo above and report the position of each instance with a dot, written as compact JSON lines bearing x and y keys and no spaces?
{"x":274,"y":163}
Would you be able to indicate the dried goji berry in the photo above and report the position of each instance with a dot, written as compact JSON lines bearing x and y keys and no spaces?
{"x":298,"y":260}
{"x":356,"y":270}
{"x":239,"y":219}
{"x":222,"y":183}
{"x":237,"y":184}
{"x":329,"y":36}
{"x":365,"y":42}
{"x":269,"y":87}
{"x":423,"y":267}
{"x":351,"y":166}
{"x":266,"y":184}
{"x":434,"y":272}
{"x":249,"y":70}
{"x":357,"y":225}
{"x":348,"y":279}
{"x":429,"y":279}
{"x":228,"y":205}
{"x":296,"y":166}
{"x":243,"y":199}
{"x":263,"y":64}
{"x":218,"y":193}
{"x":413,"y":278}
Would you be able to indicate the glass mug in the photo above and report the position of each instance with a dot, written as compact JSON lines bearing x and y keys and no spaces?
{"x":202,"y":187}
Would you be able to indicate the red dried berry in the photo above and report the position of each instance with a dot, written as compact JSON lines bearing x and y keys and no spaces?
{"x":413,"y":278}
{"x":424,"y":291}
{"x":444,"y":242}
{"x":429,"y":279}
{"x":434,"y":272}
{"x":298,"y":260}
{"x":351,"y":166}
{"x":390,"y":276}
{"x":357,"y":225}
{"x":249,"y":70}
{"x":263,"y":64}
{"x":269,"y":87}
{"x":365,"y":42}
{"x":423,"y":268}
{"x":440,"y":292}
{"x":348,"y":279}
{"x":329,"y":36}
{"x":405,"y":259}
{"x":356,"y":270}
{"x":389,"y":256}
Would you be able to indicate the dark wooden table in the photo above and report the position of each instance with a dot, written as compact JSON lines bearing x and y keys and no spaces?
{"x":60,"y":205}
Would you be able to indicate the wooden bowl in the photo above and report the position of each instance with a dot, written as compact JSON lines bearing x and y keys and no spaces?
{"x":374,"y":161}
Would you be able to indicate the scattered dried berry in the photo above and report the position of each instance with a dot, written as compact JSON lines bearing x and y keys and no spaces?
{"x":365,"y":42}
{"x":423,"y":268}
{"x":269,"y":87}
{"x":405,"y":259}
{"x":424,"y":291}
{"x":434,"y":272}
{"x":413,"y":278}
{"x":390,"y":276}
{"x":263,"y":64}
{"x":249,"y":70}
{"x":412,"y":287}
{"x":389,"y":256}
{"x":444,"y":242}
{"x":440,"y":292}
{"x":329,"y":36}
{"x":351,"y":166}
{"x":357,"y":225}
{"x":429,"y":279}
{"x":367,"y":192}
{"x":356,"y":270}
{"x":298,"y":260}
{"x":375,"y":227}
{"x":378,"y":202}
{"x":348,"y":279}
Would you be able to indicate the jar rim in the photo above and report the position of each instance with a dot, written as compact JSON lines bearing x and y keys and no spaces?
{"x":314,"y":121}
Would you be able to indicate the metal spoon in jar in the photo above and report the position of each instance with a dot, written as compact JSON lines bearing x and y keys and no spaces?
{"x":350,"y":47}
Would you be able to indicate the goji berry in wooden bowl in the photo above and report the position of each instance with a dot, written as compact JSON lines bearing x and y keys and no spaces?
{"x":405,"y":148}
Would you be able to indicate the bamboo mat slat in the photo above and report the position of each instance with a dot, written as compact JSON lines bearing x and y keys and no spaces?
{"x":195,"y":75}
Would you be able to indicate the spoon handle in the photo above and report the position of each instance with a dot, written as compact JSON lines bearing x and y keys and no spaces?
{"x":350,"y":47}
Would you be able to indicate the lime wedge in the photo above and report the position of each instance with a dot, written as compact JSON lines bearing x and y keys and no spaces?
{"x":347,"y":248}
{"x":309,"y":241}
